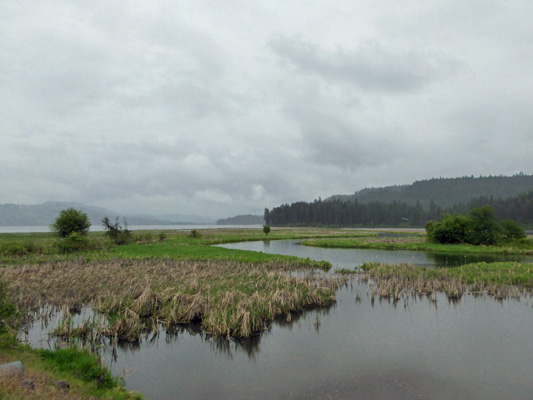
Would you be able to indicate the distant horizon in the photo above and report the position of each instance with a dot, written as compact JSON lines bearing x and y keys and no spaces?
{"x":213,"y":219}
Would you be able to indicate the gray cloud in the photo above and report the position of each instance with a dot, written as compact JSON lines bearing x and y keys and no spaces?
{"x":368,"y":68}
{"x":226,"y":109}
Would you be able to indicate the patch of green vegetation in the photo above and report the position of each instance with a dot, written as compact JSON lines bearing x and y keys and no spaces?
{"x":65,"y":363}
{"x":524,"y":246}
{"x":478,"y":227}
{"x":15,"y":250}
{"x":498,"y":273}
{"x":82,"y":370}
{"x":79,"y":363}
{"x":501,"y":279}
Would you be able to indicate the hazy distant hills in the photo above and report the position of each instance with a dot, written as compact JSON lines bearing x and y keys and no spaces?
{"x":247,"y":219}
{"x":445,"y":192}
{"x":46,"y":213}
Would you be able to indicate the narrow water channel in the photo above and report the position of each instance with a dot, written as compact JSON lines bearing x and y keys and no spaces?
{"x":477,"y":348}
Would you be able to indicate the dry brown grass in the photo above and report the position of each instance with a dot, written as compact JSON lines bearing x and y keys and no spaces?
{"x":227,"y":298}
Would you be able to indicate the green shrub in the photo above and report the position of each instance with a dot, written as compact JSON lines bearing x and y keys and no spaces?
{"x":479,"y":227}
{"x":144,"y":238}
{"x":482,"y":227}
{"x":118,"y":234}
{"x":511,"y":231}
{"x":73,"y":242}
{"x":195,"y":234}
{"x":70,"y":221}
{"x":451,"y":229}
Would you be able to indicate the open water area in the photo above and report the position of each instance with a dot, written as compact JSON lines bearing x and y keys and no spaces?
{"x":475,"y":348}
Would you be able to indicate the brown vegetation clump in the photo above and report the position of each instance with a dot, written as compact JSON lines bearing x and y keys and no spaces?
{"x":135,"y":296}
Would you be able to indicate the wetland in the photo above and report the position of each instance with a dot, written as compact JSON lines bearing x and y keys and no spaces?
{"x":341,"y":342}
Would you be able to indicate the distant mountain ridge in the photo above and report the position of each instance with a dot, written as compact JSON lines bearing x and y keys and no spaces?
{"x":45,"y":214}
{"x":247,"y":219}
{"x":445,"y":192}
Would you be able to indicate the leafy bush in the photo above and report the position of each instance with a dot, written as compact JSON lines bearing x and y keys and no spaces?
{"x":451,"y":229}
{"x":74,"y":242}
{"x":70,"y":221}
{"x":266,"y":229}
{"x":144,"y":238}
{"x":118,"y":234}
{"x":195,"y":234}
{"x":482,"y":227}
{"x":511,"y":231}
{"x":479,"y":227}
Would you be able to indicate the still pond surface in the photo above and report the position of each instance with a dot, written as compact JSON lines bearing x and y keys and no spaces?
{"x":477,"y":348}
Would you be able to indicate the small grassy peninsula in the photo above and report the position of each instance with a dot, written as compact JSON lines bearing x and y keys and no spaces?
{"x":420,"y":243}
{"x":498,"y":280}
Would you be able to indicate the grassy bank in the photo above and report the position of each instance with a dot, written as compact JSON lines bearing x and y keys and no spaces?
{"x":417,"y":243}
{"x":44,"y":368}
{"x":35,"y":248}
{"x":80,"y":369}
{"x":499,"y":280}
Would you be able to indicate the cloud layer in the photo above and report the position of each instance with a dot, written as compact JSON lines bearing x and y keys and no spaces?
{"x":192,"y":107}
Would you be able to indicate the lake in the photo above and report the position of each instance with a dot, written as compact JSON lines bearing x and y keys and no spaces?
{"x":477,"y":348}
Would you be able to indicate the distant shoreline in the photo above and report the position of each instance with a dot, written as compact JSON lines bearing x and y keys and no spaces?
{"x":97,"y":228}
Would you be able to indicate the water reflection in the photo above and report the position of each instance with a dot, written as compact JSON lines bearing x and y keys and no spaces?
{"x":454,"y":260}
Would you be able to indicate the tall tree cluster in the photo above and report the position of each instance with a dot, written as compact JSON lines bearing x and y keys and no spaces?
{"x":354,"y":213}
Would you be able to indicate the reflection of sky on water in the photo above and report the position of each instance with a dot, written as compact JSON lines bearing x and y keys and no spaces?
{"x":349,"y":258}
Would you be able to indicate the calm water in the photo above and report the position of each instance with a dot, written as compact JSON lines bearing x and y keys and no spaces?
{"x":476,"y":349}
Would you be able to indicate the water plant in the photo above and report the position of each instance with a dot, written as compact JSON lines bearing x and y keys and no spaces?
{"x":228,"y":298}
{"x":499,"y":280}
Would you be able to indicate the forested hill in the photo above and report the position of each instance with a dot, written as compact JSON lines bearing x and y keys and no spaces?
{"x":445,"y":192}
{"x":247,"y":219}
{"x":354,"y":213}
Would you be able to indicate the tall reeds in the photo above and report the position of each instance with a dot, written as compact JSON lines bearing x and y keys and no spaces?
{"x":395,"y":281}
{"x":136,"y":296}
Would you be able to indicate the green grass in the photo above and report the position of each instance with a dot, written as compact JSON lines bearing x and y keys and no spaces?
{"x":498,"y":273}
{"x":499,"y":280}
{"x":80,"y":364}
{"x":419,"y":244}
{"x":35,"y":248}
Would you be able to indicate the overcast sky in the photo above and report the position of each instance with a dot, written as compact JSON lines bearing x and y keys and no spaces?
{"x":220,"y":108}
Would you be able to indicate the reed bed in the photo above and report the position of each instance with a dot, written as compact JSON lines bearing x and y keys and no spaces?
{"x":498,"y":280}
{"x":138,"y":296}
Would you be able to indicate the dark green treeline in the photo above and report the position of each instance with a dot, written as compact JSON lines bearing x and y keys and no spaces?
{"x":354,"y":213}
